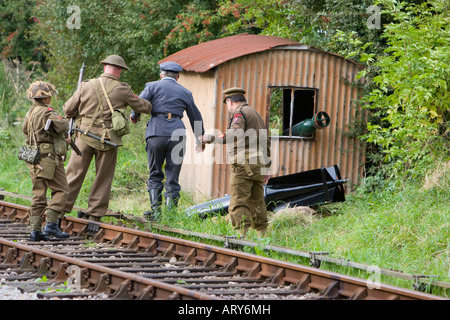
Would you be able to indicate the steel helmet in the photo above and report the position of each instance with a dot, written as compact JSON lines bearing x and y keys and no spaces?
{"x":115,"y":60}
{"x":41,"y":89}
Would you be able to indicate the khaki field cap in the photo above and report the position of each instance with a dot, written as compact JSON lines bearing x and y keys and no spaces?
{"x":41,"y":89}
{"x":232,"y":92}
{"x":115,"y":60}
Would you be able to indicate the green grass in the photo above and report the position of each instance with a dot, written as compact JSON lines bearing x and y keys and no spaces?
{"x":405,"y":228}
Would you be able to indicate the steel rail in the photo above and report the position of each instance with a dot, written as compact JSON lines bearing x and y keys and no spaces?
{"x":419,"y":281}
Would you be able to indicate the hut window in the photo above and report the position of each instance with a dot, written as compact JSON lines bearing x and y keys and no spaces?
{"x":288,"y":107}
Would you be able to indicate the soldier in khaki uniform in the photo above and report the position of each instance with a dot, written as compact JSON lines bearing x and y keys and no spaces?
{"x":93,"y":113}
{"x":249,"y":149}
{"x":49,"y":172}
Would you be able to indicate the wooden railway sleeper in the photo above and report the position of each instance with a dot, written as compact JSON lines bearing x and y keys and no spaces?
{"x":124,"y":291}
{"x":10,"y":256}
{"x":68,"y":227}
{"x":27,"y":261}
{"x":174,"y":296}
{"x":117,"y":239}
{"x":152,"y":247}
{"x":44,"y":267}
{"x":157,"y":270}
{"x":61,"y":274}
{"x":102,"y":284}
{"x":277,"y":277}
{"x":359,"y":294}
{"x":190,"y":256}
{"x":170,"y":251}
{"x":12,"y":215}
{"x":199,"y":275}
{"x":147,"y":293}
{"x":210,"y":260}
{"x":302,"y":286}
{"x":231,"y":265}
{"x":331,"y":291}
{"x":254,"y":272}
{"x":134,"y":243}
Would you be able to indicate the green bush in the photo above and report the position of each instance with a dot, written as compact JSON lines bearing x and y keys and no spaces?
{"x":410,"y":99}
{"x":13,"y":101}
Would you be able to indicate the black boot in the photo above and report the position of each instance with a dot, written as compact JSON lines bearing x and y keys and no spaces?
{"x":171,"y":203}
{"x":51,"y":230}
{"x":155,"y":201}
{"x":38,"y":236}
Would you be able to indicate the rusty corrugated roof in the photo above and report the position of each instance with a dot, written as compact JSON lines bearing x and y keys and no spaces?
{"x":207,"y":55}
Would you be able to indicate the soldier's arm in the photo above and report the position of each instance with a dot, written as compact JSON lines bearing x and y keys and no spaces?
{"x":139,"y":105}
{"x":59,"y":124}
{"x":70,"y":108}
{"x":145,"y":94}
{"x":25,"y":124}
{"x":235,"y":130}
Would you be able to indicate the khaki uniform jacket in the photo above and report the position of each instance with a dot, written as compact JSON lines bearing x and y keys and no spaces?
{"x":35,"y":121}
{"x":84,"y":102}
{"x":246,"y":137}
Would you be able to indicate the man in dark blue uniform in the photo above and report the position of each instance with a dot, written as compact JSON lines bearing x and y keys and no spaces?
{"x":166,"y":134}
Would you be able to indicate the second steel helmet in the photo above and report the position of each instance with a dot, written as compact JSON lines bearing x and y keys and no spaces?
{"x":41,"y":89}
{"x":115,"y":60}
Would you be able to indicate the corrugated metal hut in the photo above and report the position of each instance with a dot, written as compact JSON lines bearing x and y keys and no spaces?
{"x":286,"y":83}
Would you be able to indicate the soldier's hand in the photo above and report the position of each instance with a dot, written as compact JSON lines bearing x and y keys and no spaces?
{"x":266,"y":178}
{"x":200,"y":147}
{"x":135,"y":120}
{"x":205,"y":139}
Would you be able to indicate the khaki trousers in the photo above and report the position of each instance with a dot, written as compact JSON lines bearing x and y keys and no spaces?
{"x":247,"y":206}
{"x":59,"y":192}
{"x":105,"y":165}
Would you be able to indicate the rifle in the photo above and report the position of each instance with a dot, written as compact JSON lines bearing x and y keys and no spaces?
{"x":112,"y":144}
{"x":71,"y":121}
{"x":80,"y":78}
{"x":72,"y":144}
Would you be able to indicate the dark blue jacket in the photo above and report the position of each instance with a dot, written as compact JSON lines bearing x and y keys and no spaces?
{"x":167,"y":95}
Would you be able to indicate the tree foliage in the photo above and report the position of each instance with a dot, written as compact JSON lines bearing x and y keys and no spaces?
{"x":126,"y":28}
{"x":16,"y":44}
{"x":201,"y":21}
{"x":405,"y":53}
{"x":310,"y":22}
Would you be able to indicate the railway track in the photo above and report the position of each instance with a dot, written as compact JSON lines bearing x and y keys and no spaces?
{"x":103,"y":261}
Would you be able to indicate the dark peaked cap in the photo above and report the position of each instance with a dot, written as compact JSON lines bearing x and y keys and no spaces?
{"x":171,"y":66}
{"x":232,"y":92}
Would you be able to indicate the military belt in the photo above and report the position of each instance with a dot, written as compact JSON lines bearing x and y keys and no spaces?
{"x":167,"y":115}
{"x":97,"y":122}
